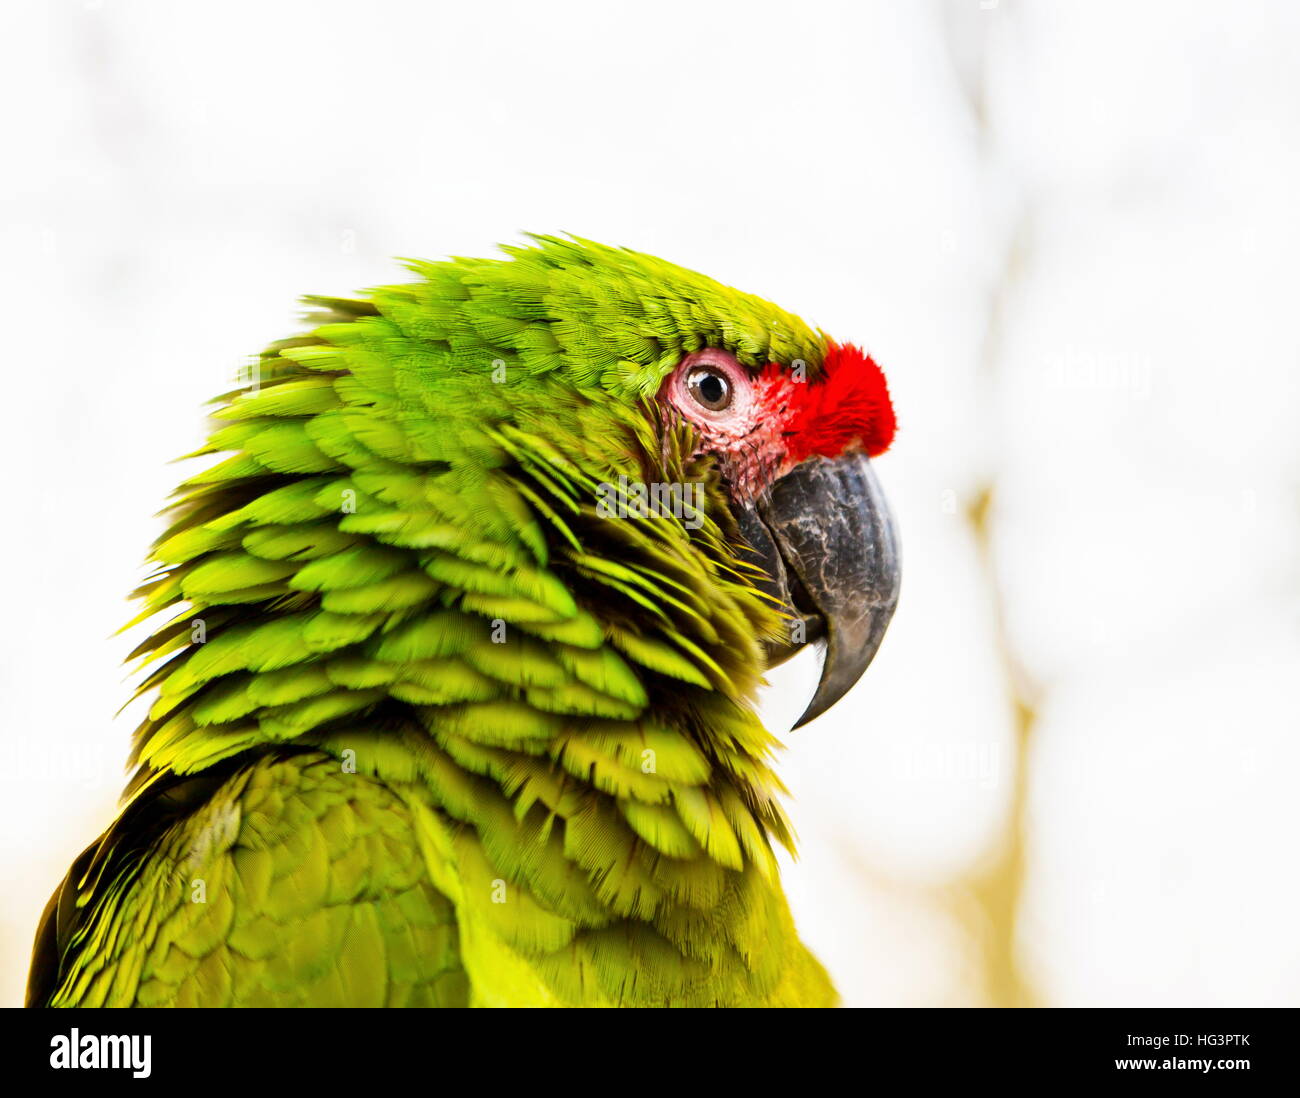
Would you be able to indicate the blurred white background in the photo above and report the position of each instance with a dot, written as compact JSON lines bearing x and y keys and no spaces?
{"x":1069,"y":233}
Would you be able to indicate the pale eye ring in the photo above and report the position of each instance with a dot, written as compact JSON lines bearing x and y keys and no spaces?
{"x":709,"y":388}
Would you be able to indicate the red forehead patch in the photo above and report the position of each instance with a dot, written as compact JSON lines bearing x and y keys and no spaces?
{"x":847,"y":407}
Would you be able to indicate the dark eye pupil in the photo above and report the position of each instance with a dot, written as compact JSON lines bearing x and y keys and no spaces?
{"x":710,"y":389}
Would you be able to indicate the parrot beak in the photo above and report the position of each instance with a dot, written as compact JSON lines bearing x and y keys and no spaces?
{"x":825,"y":537}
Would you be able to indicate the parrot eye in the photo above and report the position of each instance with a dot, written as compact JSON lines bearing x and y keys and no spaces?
{"x":709,"y":388}
{"x":712,"y":390}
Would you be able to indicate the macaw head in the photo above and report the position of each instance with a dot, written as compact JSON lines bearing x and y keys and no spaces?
{"x":714,"y":395}
{"x":656,"y":485}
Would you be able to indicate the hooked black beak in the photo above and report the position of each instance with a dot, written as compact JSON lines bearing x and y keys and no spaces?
{"x":826,"y":540}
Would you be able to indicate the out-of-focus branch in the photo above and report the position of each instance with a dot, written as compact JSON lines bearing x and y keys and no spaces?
{"x":994,"y":889}
{"x":987,"y":900}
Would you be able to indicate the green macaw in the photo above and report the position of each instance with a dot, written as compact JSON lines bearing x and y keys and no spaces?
{"x":456,"y":702}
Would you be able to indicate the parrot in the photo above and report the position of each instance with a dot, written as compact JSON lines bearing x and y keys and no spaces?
{"x":455,"y":643}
